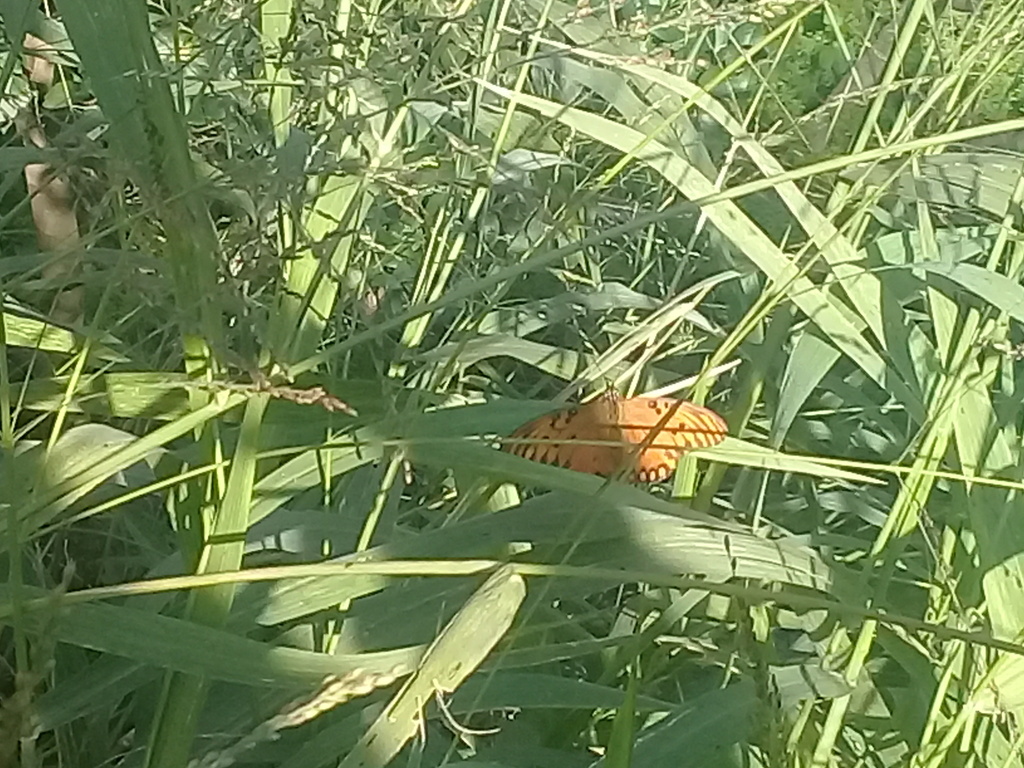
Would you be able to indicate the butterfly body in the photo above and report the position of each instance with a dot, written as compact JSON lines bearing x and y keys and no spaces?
{"x":665,"y":427}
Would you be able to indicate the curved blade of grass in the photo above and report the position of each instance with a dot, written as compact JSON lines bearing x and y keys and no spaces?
{"x":554,"y":361}
{"x":458,"y":650}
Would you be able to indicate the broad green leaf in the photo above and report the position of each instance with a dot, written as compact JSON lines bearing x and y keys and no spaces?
{"x":104,"y":461}
{"x":36,"y":333}
{"x":995,"y":289}
{"x":961,"y":180}
{"x":709,"y":730}
{"x":808,"y":363}
{"x":619,"y":529}
{"x":169,"y":643}
{"x":88,"y":690}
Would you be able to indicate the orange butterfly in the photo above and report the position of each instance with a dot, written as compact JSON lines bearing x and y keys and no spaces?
{"x":561,"y":436}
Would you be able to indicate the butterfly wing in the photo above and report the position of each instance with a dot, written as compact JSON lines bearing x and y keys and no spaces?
{"x":565,"y":438}
{"x":689,"y":426}
{"x":601,"y":423}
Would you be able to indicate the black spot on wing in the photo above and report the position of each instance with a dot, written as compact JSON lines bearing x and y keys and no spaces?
{"x":654,"y":474}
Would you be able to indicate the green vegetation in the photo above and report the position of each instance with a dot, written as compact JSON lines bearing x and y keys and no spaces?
{"x":275,"y":276}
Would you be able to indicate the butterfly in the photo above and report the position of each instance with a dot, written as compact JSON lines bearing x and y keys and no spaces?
{"x":562,"y":437}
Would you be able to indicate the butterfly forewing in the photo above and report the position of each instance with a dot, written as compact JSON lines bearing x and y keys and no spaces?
{"x":567,"y":439}
{"x":542,"y":439}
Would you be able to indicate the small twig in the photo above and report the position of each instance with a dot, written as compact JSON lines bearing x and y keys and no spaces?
{"x":457,"y":727}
